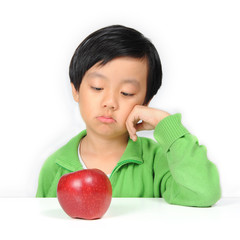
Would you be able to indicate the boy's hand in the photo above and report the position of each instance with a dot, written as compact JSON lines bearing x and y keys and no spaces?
{"x":149,"y":117}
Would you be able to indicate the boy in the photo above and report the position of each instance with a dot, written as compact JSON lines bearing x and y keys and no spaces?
{"x":114,"y":74}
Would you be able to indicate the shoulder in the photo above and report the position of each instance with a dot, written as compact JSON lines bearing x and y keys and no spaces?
{"x":153,"y":156}
{"x":64,"y":152}
{"x":49,"y":167}
{"x":150,"y":148}
{"x":149,"y":144}
{"x":57,"y":164}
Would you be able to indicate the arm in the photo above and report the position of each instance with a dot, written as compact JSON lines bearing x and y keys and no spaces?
{"x":192,"y":180}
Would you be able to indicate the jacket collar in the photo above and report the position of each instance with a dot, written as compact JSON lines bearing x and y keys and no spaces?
{"x":67,"y":156}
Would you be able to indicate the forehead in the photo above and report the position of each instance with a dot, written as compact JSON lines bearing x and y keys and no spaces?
{"x":126,"y":69}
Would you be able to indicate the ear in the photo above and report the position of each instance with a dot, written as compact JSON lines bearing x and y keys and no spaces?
{"x":75,"y":93}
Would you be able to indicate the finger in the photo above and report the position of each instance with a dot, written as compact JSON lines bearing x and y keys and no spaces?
{"x":140,"y":127}
{"x":143,"y":126}
{"x":131,"y":128}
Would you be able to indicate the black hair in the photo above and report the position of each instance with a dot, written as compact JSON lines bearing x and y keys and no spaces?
{"x":111,"y":42}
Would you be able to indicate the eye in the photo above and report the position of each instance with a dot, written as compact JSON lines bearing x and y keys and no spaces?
{"x":97,"y":89}
{"x":127,"y":94}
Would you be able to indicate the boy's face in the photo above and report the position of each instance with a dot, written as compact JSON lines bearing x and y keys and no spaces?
{"x":108,"y":94}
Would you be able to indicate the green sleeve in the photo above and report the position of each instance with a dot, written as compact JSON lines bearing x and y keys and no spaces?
{"x":191,"y":180}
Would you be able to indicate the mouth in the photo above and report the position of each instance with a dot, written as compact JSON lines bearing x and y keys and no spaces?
{"x":106,"y":119}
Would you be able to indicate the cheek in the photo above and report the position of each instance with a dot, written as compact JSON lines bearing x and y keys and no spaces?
{"x":85,"y":105}
{"x":128,"y":106}
{"x":127,"y":109}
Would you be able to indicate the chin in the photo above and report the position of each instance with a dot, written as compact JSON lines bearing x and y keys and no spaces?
{"x":111,"y":133}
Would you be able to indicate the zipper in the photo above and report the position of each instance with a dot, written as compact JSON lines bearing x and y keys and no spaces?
{"x":123,"y":163}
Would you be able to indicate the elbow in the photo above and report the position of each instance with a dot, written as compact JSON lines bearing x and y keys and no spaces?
{"x":207,"y":197}
{"x":207,"y":200}
{"x":202,"y":194}
{"x":209,"y":192}
{"x":210,"y":197}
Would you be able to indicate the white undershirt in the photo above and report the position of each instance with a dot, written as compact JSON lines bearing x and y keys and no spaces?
{"x":81,"y":161}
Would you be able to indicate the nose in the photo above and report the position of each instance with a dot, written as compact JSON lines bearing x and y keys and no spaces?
{"x":110,"y":101}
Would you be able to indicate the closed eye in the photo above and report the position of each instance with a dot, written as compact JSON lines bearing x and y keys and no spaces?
{"x":127,"y":94}
{"x":97,"y":89}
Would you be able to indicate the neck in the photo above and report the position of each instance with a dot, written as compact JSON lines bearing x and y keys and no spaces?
{"x":103,"y":146}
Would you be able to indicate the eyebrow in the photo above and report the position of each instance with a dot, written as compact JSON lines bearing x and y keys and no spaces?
{"x":130,"y":80}
{"x":96,"y":74}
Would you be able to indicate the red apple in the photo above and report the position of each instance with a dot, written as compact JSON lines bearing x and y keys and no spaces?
{"x":85,"y":194}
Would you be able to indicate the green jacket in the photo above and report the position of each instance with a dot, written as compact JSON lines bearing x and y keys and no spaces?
{"x":175,"y":167}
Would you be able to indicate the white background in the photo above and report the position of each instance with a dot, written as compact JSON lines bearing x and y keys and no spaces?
{"x":198,"y":42}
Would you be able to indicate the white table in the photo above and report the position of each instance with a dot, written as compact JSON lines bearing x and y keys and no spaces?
{"x":127,"y":218}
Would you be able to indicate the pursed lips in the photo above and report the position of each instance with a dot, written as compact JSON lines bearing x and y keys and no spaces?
{"x":106,"y":119}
